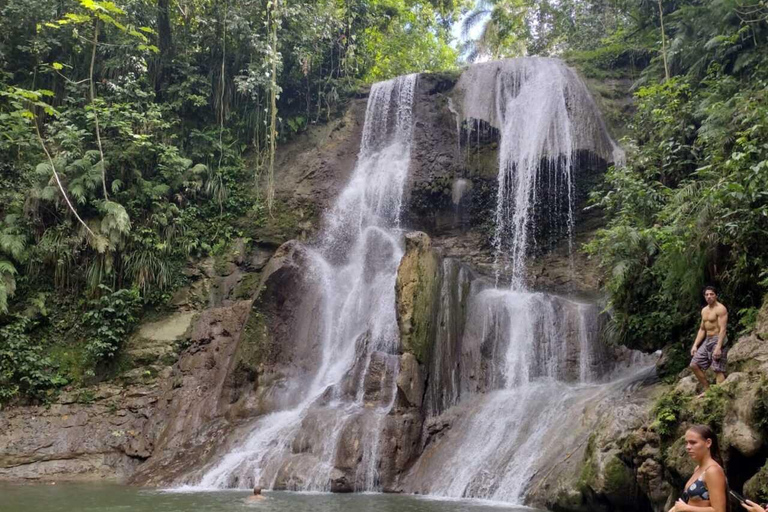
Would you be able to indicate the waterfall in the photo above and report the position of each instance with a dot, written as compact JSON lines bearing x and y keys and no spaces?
{"x":514,"y":373}
{"x":545,"y":116}
{"x":354,"y":265}
{"x":512,"y":369}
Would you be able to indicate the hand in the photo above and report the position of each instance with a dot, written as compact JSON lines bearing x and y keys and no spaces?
{"x":718,"y":353}
{"x":693,"y":350}
{"x":681,"y":506}
{"x":753,"y":507}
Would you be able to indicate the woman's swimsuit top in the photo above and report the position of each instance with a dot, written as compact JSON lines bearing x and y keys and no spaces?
{"x":697,"y":490}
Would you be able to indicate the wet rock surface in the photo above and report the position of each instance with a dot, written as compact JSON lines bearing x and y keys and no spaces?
{"x":416,"y":288}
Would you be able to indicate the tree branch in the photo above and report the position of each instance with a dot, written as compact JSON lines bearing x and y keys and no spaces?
{"x":58,"y":181}
{"x":95,"y":113}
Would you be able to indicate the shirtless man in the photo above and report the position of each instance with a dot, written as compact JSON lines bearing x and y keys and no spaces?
{"x":714,"y":320}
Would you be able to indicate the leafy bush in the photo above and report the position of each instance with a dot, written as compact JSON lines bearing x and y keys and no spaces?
{"x":111,"y":319}
{"x":25,"y":369}
{"x":673,"y":408}
{"x":710,"y":410}
{"x":689,"y":208}
{"x":668,"y":412}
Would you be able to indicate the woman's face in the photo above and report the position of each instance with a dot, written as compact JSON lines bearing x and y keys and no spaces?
{"x":696,"y":446}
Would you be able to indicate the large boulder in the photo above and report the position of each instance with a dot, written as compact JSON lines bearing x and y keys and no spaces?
{"x":599,"y":473}
{"x":756,"y":487}
{"x":188,"y":421}
{"x":274,"y":348}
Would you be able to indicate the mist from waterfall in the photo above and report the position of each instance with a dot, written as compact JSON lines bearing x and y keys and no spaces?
{"x":354,"y":266}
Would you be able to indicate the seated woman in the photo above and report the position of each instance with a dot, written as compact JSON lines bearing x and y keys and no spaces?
{"x":706,"y":489}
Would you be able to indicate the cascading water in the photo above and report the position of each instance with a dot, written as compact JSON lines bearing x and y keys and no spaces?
{"x":354,"y":265}
{"x":545,"y":116}
{"x":511,"y":368}
{"x":527,"y":359}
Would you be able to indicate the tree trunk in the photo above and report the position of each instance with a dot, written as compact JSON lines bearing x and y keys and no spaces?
{"x":663,"y":42}
{"x":165,"y":44}
{"x":58,"y":180}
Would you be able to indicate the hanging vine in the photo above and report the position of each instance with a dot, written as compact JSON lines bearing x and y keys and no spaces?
{"x":222,"y":84}
{"x":273,"y":20}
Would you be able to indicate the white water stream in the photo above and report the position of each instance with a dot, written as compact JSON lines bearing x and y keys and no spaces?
{"x":355,"y":265}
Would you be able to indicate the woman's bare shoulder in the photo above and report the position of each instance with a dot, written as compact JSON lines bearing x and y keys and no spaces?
{"x":715,"y":472}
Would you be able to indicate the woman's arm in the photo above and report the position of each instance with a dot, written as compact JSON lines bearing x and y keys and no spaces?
{"x":718,"y":497}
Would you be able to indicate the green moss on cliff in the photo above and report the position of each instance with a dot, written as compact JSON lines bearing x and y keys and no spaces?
{"x":431,"y":196}
{"x":423,"y":307}
{"x":674,"y":408}
{"x":761,"y":406}
{"x":588,"y":475}
{"x":254,"y":347}
{"x":417,"y":288}
{"x":618,"y":477}
{"x":285,"y":222}
{"x":247,"y":287}
{"x":668,"y":412}
{"x":756,"y":488}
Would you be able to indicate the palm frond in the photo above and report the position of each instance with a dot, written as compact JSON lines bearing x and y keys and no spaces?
{"x":473,"y":19}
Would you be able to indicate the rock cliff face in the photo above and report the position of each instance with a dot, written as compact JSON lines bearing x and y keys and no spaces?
{"x":235,"y":348}
{"x":638,"y":453}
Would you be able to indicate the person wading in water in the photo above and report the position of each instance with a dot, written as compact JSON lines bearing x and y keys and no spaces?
{"x":714,"y":320}
{"x":256,"y":496}
{"x":706,"y":489}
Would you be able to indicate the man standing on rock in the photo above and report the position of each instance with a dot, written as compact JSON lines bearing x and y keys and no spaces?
{"x":714,"y":320}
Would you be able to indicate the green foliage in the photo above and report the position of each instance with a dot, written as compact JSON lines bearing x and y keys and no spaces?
{"x":690,"y":207}
{"x":109,"y":321}
{"x":413,"y":43}
{"x":757,"y":487}
{"x":673,"y":408}
{"x":747,"y":319}
{"x":25,"y":369}
{"x":710,"y":410}
{"x":677,"y":357}
{"x":668,"y":411}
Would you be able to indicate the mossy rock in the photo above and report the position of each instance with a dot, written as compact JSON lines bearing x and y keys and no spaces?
{"x":677,"y":460}
{"x":589,"y":467}
{"x":417,"y":290}
{"x":247,"y":287}
{"x":571,"y":500}
{"x":618,"y":478}
{"x":756,"y":487}
{"x":285,"y":222}
{"x":254,"y":347}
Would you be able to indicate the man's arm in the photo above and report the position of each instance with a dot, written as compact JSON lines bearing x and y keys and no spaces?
{"x":722,"y":323}
{"x":699,"y":336}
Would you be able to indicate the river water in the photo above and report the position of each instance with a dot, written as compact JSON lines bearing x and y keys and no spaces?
{"x":118,"y":498}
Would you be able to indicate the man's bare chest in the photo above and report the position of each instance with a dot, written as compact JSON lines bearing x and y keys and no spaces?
{"x":709,"y":316}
